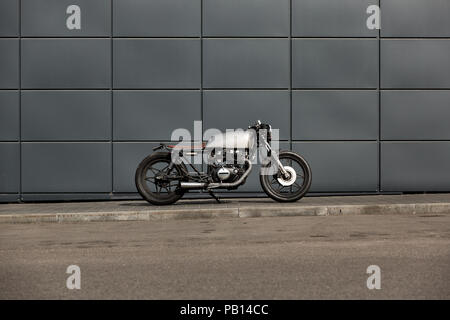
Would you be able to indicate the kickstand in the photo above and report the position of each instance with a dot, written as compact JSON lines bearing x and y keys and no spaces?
{"x":214,"y":196}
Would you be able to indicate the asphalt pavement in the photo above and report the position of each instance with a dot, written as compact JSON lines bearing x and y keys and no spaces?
{"x":320,"y":257}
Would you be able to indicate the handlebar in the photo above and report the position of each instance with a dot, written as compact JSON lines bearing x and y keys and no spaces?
{"x":258,"y":125}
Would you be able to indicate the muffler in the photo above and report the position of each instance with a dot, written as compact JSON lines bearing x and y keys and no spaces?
{"x":192,"y":185}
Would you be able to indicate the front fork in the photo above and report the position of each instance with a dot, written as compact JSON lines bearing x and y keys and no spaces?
{"x":274,"y":156}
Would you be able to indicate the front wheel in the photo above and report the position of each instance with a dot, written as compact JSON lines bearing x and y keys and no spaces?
{"x":292,"y":187}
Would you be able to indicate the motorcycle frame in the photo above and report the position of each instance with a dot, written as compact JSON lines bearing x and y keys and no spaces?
{"x":204,"y":178}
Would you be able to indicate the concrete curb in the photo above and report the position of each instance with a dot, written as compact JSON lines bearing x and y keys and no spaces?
{"x":233,"y":212}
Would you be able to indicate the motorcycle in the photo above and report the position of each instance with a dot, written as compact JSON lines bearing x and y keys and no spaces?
{"x":163,"y":177}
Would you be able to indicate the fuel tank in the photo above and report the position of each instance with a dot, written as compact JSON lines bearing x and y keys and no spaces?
{"x":238,"y":139}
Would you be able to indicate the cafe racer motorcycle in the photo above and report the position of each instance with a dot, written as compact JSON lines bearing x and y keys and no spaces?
{"x":163,"y":177}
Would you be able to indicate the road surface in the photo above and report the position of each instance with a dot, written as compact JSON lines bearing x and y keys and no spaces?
{"x":249,"y":258}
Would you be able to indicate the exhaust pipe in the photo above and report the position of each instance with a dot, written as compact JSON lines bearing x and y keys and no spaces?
{"x":232,"y":184}
{"x":192,"y":185}
{"x":203,"y":185}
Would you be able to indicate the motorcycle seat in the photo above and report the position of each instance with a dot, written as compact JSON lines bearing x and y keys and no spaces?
{"x":188,"y":146}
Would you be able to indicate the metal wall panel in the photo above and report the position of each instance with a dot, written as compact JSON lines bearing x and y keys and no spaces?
{"x":157,"y":18}
{"x":331,"y":18}
{"x":426,"y":64}
{"x":415,"y":166}
{"x":9,"y":197}
{"x":239,"y":109}
{"x":153,"y":115}
{"x":9,"y":167}
{"x":245,"y":63}
{"x":415,"y":18}
{"x":156,"y":63}
{"x":63,"y":197}
{"x":66,"y":167}
{"x":341,"y":166}
{"x":126,"y":158}
{"x":66,"y":115}
{"x":9,"y":115}
{"x":415,"y":115}
{"x":335,"y":63}
{"x":315,"y":68}
{"x":66,"y":63}
{"x":335,"y":115}
{"x":9,"y":64}
{"x":246,"y":18}
{"x":49,"y":18}
{"x":9,"y":18}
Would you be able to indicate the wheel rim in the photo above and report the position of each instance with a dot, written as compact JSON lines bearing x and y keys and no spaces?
{"x":292,"y":190}
{"x":155,"y":180}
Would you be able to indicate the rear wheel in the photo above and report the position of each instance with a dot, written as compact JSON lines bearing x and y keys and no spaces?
{"x":155,"y":179}
{"x":292,"y":187}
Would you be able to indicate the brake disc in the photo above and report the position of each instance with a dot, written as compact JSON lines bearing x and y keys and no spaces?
{"x":292,"y":177}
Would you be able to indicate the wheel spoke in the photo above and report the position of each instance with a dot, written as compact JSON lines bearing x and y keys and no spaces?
{"x":162,"y":170}
{"x":159,"y":175}
{"x":153,"y":170}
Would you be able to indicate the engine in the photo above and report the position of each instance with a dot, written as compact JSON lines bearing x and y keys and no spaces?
{"x":225,"y":173}
{"x":225,"y":165}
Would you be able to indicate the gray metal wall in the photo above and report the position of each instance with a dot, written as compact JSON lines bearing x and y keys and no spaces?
{"x":368,"y":109}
